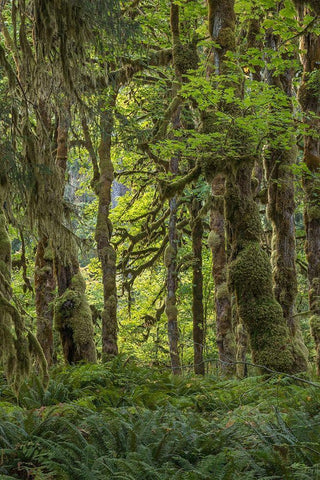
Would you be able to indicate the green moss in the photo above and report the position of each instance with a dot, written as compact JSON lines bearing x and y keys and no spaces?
{"x":214,"y":240}
{"x":109,"y":254}
{"x":315,"y":328}
{"x":226,"y":38}
{"x":48,"y":254}
{"x":169,"y":255}
{"x":250,"y":273}
{"x":72,"y":311}
{"x":171,"y":310}
{"x":313,"y":212}
{"x":185,"y":58}
{"x":222,"y":291}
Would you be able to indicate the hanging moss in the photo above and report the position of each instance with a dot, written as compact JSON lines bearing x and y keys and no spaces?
{"x":18,"y":348}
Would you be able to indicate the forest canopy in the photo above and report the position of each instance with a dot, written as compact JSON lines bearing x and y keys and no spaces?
{"x":159,"y":184}
{"x":159,"y":239}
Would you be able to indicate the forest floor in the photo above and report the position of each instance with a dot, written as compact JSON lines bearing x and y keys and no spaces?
{"x":124,"y":422}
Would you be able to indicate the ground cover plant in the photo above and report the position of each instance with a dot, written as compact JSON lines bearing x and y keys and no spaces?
{"x":125,"y":421}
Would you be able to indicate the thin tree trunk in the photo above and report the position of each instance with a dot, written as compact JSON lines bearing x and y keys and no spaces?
{"x":221,"y":18}
{"x":45,"y":284}
{"x":172,"y":248}
{"x":18,"y":347}
{"x":310,"y":103}
{"x":106,"y":252}
{"x":197,"y":288}
{"x":217,"y":243}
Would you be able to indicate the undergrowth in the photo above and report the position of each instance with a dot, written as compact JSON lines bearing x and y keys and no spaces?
{"x":124,"y":422}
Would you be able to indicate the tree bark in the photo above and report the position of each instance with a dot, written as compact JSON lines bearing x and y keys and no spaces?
{"x":280,"y":211}
{"x":221,"y":28}
{"x":72,"y":312}
{"x":310,"y":103}
{"x":197,"y":288}
{"x":44,"y":283}
{"x":106,"y":252}
{"x":217,"y":243}
{"x":250,"y":270}
{"x":171,"y":251}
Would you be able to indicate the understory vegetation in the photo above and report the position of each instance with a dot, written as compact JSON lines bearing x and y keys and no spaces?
{"x":123,"y":421}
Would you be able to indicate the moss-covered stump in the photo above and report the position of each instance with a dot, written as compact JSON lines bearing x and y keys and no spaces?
{"x":73,"y":320}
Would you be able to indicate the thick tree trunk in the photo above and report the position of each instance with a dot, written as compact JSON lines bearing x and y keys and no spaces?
{"x":280,"y":211}
{"x":72,"y":312}
{"x":310,"y":103}
{"x":106,"y":252}
{"x":251,"y":277}
{"x":217,"y":243}
{"x":197,"y":288}
{"x":44,"y":283}
{"x":250,"y":270}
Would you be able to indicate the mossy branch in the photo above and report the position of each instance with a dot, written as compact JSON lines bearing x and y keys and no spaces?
{"x":176,"y":187}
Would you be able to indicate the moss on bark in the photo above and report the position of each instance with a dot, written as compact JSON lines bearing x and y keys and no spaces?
{"x":72,"y":315}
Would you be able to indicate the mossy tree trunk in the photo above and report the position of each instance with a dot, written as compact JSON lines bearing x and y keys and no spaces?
{"x":309,"y":98}
{"x":106,"y":252}
{"x":171,"y":252}
{"x":223,"y":310}
{"x":44,"y":280}
{"x":72,"y":312}
{"x":250,"y":273}
{"x":197,"y":287}
{"x":251,"y":277}
{"x":221,"y":29}
{"x":44,"y":284}
{"x":280,"y":211}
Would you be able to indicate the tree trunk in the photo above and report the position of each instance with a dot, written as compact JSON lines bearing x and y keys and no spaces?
{"x":106,"y":252}
{"x":72,"y":312}
{"x":310,"y":104}
{"x":171,"y":251}
{"x":251,"y":277}
{"x":221,"y":28}
{"x":280,"y":211}
{"x":217,"y":243}
{"x":250,"y":270}
{"x":44,"y":283}
{"x":197,"y":288}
